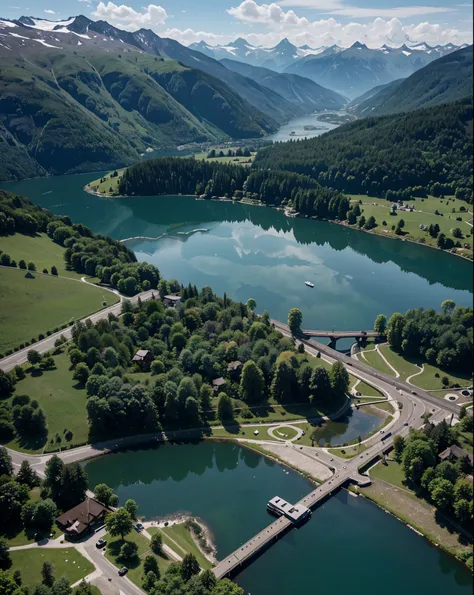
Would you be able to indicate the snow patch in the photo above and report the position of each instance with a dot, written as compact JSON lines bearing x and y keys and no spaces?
{"x":4,"y":24}
{"x":46,"y":25}
{"x":406,"y":53}
{"x":47,"y":45}
{"x":19,"y":36}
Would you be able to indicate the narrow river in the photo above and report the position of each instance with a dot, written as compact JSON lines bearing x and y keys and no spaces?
{"x":349,"y":545}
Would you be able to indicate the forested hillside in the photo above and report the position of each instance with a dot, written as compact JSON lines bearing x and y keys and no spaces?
{"x":210,"y":179}
{"x":447,"y":79}
{"x":425,"y":151}
{"x":65,"y":111}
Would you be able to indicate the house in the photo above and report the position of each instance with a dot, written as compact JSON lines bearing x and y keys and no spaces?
{"x":143,"y":358}
{"x":218,"y":383}
{"x":234,"y":369}
{"x":456,"y":452}
{"x":82,"y":519}
{"x":171,"y":301}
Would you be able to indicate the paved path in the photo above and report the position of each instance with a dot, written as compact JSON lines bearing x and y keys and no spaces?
{"x":20,"y":357}
{"x":397,"y":375}
{"x":408,"y":380}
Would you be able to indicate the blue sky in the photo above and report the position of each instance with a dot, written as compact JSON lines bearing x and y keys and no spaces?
{"x":313,"y":22}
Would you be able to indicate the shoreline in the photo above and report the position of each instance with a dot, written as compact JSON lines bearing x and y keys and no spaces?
{"x":291,"y":216}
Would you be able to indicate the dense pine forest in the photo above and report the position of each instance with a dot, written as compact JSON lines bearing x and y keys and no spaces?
{"x":427,"y":151}
{"x":213,"y":180}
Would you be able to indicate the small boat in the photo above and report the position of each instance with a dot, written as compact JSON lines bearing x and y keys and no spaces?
{"x":309,"y":284}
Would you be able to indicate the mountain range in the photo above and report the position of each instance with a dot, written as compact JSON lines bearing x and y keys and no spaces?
{"x":446,"y":80}
{"x":358,"y":69}
{"x":79,"y":95}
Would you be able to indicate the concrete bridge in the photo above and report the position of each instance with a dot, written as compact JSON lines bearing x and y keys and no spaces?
{"x":335,"y":335}
{"x":263,"y":540}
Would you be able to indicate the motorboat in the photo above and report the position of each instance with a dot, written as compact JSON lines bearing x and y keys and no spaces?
{"x":309,"y":284}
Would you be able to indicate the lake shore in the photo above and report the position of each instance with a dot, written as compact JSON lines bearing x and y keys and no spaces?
{"x":288,"y":213}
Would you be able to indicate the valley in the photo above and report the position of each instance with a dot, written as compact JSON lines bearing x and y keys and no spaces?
{"x":229,"y":293}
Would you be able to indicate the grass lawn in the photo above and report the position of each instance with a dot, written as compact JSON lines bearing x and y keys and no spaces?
{"x":135,"y":572}
{"x":367,"y":390}
{"x":349,"y":451}
{"x":67,"y":562}
{"x":30,"y":306}
{"x":424,"y":214}
{"x":392,"y":472}
{"x":180,"y":540}
{"x":372,"y":357}
{"x":62,"y":400}
{"x":429,"y":381}
{"x":39,"y":249}
{"x":404,"y":367}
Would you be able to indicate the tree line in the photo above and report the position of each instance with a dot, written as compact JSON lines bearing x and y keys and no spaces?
{"x":216,"y":180}
{"x":428,"y":151}
{"x":445,"y":483}
{"x":85,"y":252}
{"x":442,"y":339}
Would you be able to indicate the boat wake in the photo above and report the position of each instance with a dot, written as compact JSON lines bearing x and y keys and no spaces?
{"x":165,"y":235}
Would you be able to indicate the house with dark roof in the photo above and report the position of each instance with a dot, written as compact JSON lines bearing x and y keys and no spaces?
{"x":171,"y":301}
{"x":456,"y":452}
{"x":218,"y":383}
{"x":143,"y":358}
{"x":82,"y":519}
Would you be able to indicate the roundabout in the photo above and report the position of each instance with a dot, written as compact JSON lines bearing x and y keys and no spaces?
{"x":285,"y":433}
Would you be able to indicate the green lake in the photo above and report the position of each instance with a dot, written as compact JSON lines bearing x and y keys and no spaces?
{"x":257,"y":252}
{"x":349,"y":545}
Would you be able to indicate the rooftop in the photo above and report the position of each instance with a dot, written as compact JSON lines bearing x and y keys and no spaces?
{"x":78,"y":519}
{"x":173,"y":298}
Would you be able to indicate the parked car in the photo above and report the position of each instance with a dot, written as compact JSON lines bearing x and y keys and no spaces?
{"x":100,"y":544}
{"x":140,"y":526}
{"x":123,"y":571}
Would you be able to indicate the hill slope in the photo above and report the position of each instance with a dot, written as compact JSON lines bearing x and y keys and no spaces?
{"x":305,"y":93}
{"x":447,"y":79}
{"x":68,"y":109}
{"x":274,"y":107}
{"x":433,"y":147}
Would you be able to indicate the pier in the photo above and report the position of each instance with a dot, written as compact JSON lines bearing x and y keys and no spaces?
{"x":260,"y":542}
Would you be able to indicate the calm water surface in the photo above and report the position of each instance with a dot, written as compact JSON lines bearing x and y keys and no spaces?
{"x":349,"y":545}
{"x":258,"y":252}
{"x":297,"y":126}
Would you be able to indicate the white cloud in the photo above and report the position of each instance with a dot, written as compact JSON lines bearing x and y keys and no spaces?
{"x":129,"y":19}
{"x":48,"y":11}
{"x":301,"y":30}
{"x":330,"y":31}
{"x":340,"y":7}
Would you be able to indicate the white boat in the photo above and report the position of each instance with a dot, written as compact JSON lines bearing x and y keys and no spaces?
{"x":309,"y":284}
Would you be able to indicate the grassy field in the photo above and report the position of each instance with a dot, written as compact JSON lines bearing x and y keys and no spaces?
{"x":367,"y":390}
{"x":135,"y":572}
{"x":429,"y":381}
{"x":392,"y":472}
{"x":62,"y":400}
{"x":30,"y":306}
{"x":39,"y":249}
{"x":180,"y":540}
{"x":107,"y":185}
{"x":372,"y":357}
{"x":424,"y":214}
{"x":67,"y":562}
{"x":404,"y":367}
{"x":234,"y":160}
{"x":349,"y":451}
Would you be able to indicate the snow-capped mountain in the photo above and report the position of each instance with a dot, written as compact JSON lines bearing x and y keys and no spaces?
{"x":355,"y":70}
{"x":275,"y":58}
